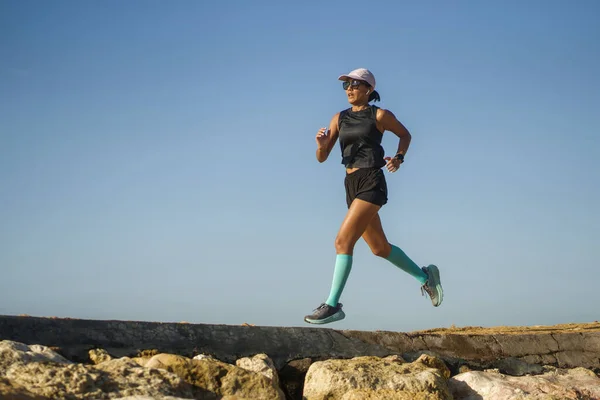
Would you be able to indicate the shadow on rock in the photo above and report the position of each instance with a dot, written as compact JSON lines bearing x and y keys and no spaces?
{"x":462,"y":390}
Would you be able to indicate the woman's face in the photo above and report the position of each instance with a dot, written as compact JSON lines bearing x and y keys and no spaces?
{"x":357,"y":91}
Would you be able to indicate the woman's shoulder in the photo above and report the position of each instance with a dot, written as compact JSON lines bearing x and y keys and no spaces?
{"x":382,"y":112}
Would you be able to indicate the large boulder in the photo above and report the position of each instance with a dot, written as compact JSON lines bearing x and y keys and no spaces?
{"x":374,"y":378}
{"x":575,"y":384}
{"x":261,"y":364}
{"x":211,"y":376}
{"x":110,"y":379}
{"x":15,"y":352}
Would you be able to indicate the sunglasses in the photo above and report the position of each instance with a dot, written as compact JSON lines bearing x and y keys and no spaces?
{"x":353,"y":83}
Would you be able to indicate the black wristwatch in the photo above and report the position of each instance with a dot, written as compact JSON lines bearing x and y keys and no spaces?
{"x":400,"y":157}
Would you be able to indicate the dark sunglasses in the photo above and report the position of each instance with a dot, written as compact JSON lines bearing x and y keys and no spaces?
{"x":354,"y":83}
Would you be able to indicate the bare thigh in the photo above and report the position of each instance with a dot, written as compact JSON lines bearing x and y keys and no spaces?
{"x":357,"y":219}
{"x":375,"y":238}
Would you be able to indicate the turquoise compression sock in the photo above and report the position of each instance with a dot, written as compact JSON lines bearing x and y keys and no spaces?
{"x":343,"y":265}
{"x":401,"y":260}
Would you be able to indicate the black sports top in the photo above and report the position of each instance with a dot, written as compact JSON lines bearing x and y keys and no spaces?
{"x":360,"y":140}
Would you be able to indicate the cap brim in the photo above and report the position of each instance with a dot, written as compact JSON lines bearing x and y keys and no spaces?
{"x":349,"y":76}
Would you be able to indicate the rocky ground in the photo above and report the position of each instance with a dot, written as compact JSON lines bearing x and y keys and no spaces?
{"x":37,"y":372}
{"x":30,"y":371}
{"x":516,"y":330}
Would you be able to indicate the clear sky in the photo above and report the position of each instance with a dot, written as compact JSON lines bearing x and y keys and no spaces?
{"x":157,"y":160}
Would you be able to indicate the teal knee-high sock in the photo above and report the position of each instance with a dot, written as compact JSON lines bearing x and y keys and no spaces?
{"x":343,"y":265}
{"x":401,"y":260}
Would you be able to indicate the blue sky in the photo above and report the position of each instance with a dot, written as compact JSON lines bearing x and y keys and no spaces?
{"x":157,"y":160}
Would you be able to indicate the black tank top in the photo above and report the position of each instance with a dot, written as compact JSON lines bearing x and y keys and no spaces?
{"x":360,"y":140}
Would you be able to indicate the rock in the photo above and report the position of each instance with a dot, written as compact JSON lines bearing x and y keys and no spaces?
{"x":565,"y":346}
{"x":395,"y":358}
{"x":99,"y":356}
{"x":148,"y":353}
{"x":575,"y":384}
{"x":261,"y":364}
{"x":333,"y":379}
{"x":141,"y":361}
{"x":9,"y":390}
{"x":464,"y":368}
{"x":15,"y":352}
{"x":203,"y":357}
{"x":292,"y":377}
{"x":234,"y":398}
{"x":452,"y":363}
{"x":515,"y":367}
{"x":169,"y":362}
{"x":213,"y":377}
{"x":386,"y":394}
{"x":151,"y":398}
{"x":434,"y":362}
{"x":114,"y":378}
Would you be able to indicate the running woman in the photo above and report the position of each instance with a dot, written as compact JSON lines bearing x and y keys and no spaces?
{"x":360,"y":129}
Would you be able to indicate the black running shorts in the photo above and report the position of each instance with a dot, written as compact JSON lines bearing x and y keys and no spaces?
{"x":367,"y":184}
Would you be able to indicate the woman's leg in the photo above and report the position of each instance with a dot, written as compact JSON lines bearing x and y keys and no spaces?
{"x":379,"y":245}
{"x":429,"y":277}
{"x":357,"y":218}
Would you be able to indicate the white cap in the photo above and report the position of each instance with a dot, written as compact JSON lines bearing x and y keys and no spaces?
{"x":362,"y":74}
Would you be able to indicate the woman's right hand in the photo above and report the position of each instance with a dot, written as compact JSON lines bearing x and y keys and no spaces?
{"x":322,"y":138}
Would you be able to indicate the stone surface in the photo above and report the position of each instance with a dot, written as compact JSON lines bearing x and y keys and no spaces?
{"x":11,"y":391}
{"x":151,"y":398}
{"x":115,"y":378}
{"x":261,"y":364}
{"x":98,"y":356}
{"x":575,"y":384}
{"x":14,"y":352}
{"x":218,"y":378}
{"x":334,"y":379}
{"x":226,"y":342}
{"x":525,"y":344}
{"x":434,"y":362}
{"x":360,"y":394}
{"x":395,"y":358}
{"x":510,"y":350}
{"x":568,"y":345}
{"x":203,"y":357}
{"x":464,"y":368}
{"x":34,"y":372}
{"x":516,"y":367}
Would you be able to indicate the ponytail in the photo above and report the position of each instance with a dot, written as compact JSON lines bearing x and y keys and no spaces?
{"x":374,"y":96}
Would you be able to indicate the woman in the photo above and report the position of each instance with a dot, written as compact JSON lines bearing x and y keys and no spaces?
{"x":360,"y":129}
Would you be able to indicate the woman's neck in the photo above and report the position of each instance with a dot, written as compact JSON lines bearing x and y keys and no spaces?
{"x":360,"y":107}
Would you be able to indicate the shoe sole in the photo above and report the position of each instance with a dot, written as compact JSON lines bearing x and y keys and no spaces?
{"x":434,"y":273}
{"x":338,"y":316}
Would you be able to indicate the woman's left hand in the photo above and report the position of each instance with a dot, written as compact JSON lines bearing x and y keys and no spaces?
{"x":393,"y":164}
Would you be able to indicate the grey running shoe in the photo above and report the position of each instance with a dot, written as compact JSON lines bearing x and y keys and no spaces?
{"x":325,"y":314}
{"x":433,"y":286}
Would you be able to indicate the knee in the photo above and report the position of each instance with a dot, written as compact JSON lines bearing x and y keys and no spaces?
{"x":382,"y":250}
{"x":343,"y":245}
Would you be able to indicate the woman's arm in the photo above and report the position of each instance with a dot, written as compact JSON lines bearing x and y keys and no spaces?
{"x":326,"y":139}
{"x":389,"y":122}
